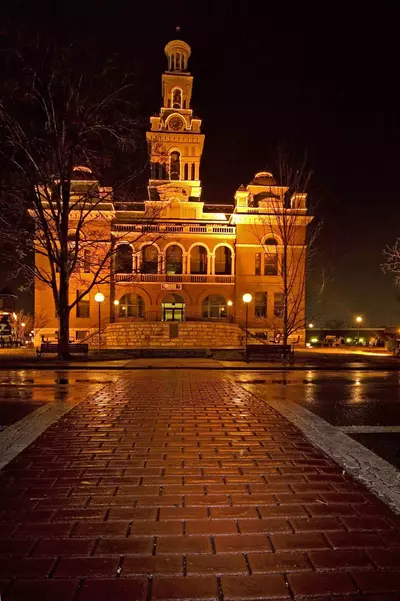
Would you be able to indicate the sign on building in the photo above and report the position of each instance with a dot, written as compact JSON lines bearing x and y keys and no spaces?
{"x":169,"y":286}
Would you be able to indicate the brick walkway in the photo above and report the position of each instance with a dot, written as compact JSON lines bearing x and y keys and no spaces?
{"x":186,"y":486}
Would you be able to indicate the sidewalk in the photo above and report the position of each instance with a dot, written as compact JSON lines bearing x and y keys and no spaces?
{"x":186,"y":486}
{"x":318,"y":358}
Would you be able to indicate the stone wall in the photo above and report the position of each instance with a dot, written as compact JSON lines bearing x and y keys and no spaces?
{"x":172,"y":334}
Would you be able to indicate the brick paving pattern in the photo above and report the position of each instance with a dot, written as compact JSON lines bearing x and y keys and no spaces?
{"x":186,"y":486}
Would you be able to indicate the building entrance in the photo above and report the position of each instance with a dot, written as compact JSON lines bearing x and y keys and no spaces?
{"x":173,"y":308}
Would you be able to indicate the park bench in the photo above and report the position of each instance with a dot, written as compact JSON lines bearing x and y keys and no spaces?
{"x":263,"y":352}
{"x":52,"y":347}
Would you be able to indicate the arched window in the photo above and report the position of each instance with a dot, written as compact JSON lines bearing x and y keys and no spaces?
{"x":270,"y":257}
{"x":177,"y":98}
{"x":149,"y":259}
{"x":214,"y":306}
{"x":173,"y":260}
{"x":223,"y":261}
{"x":131,"y":305}
{"x":193,"y":172}
{"x":123,"y":259}
{"x":198,"y":260}
{"x":175,"y":165}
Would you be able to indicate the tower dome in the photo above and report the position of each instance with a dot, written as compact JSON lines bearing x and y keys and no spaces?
{"x":263,"y":178}
{"x":178,"y":53}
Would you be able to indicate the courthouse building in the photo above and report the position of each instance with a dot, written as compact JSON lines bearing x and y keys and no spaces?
{"x":181,"y":265}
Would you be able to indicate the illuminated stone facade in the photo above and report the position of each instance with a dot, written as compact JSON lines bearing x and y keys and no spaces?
{"x":179,"y":259}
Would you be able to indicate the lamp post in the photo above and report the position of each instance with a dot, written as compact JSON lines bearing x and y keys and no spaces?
{"x":246,"y":298}
{"x":311,"y":325}
{"x":99,"y":298}
{"x":229,"y":303}
{"x":358,"y":320}
{"x":116,"y":303}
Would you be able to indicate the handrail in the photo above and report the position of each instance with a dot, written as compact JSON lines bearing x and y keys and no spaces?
{"x":103,"y":324}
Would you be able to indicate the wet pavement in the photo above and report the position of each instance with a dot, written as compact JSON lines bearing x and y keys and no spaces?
{"x":185,"y":485}
{"x":344,"y":398}
{"x":23,"y":391}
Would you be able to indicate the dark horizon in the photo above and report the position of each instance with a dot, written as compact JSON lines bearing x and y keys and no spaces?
{"x":320,"y":83}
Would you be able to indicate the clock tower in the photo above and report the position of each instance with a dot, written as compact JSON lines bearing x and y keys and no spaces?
{"x":175,"y":139}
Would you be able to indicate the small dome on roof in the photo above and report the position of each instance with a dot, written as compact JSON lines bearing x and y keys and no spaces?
{"x":81,"y":172}
{"x":7,"y":292}
{"x":263,"y":178}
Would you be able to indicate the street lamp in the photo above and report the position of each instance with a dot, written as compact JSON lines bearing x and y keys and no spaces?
{"x":116,"y":303}
{"x":358,"y":320}
{"x":246,"y":298}
{"x":229,"y":303}
{"x":99,"y":298}
{"x":310,"y":325}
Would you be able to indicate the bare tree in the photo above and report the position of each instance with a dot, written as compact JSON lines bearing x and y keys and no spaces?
{"x":64,"y":110}
{"x":288,"y":245}
{"x":391,"y":263}
{"x":40,"y":321}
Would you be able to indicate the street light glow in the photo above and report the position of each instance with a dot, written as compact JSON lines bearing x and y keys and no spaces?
{"x":359,"y":319}
{"x":23,"y":325}
{"x":116,"y":302}
{"x":229,"y":303}
{"x":247,"y":298}
{"x":99,"y":297}
{"x":310,"y":325}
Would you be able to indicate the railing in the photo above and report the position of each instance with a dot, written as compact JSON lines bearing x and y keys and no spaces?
{"x":186,"y":228}
{"x":184,"y":278}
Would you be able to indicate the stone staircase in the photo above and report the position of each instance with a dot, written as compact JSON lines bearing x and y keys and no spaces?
{"x":199,"y":334}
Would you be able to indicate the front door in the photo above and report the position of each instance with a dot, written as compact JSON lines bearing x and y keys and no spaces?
{"x":173,"y":311}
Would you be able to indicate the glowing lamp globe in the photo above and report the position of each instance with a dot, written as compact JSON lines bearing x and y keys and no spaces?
{"x":229,"y":303}
{"x":99,"y":297}
{"x":116,"y":302}
{"x":247,"y":298}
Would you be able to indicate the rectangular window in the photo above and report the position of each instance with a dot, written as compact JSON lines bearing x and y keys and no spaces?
{"x":82,"y":334}
{"x":270,"y":264}
{"x":278,"y":304}
{"x":260,"y":304}
{"x":258,"y":264}
{"x":83,"y":307}
{"x":86,"y":261}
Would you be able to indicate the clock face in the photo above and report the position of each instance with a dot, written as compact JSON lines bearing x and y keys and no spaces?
{"x":175,"y":123}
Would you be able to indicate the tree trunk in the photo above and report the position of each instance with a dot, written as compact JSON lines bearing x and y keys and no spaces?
{"x":285,"y":294}
{"x":63,"y":316}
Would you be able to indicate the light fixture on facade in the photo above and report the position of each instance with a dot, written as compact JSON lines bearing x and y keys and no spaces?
{"x":116,"y":304}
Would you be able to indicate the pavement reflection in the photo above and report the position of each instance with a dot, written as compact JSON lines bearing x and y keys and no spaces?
{"x":23,"y":391}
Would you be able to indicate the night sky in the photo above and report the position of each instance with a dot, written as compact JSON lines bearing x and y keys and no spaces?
{"x":320,"y":79}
